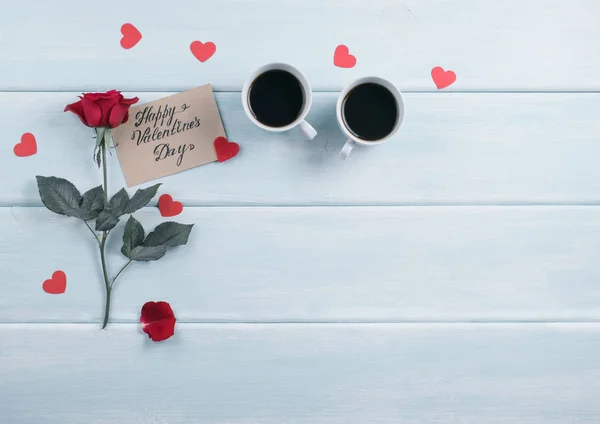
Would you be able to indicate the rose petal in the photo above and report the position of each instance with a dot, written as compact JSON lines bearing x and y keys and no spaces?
{"x":107,"y":95}
{"x":93,"y":113}
{"x":160,"y":330}
{"x":117,"y":115}
{"x":129,"y":101}
{"x":154,"y":311}
{"x":77,"y":109}
{"x":158,"y":320}
{"x":106,"y":106}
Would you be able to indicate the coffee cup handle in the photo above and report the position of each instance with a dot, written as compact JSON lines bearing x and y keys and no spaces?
{"x":308,"y":130}
{"x":345,"y":152}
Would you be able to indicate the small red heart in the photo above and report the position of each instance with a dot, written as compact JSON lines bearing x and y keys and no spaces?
{"x":57,"y":284}
{"x":441,"y":78}
{"x":342,"y":57}
{"x":168,"y":207}
{"x":26,"y":147}
{"x":225,"y":149}
{"x":203,"y":51}
{"x":131,"y":36}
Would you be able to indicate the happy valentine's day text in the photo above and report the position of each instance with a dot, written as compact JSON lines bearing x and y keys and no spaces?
{"x":156,"y":121}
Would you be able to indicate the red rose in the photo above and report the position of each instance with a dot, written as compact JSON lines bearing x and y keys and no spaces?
{"x":108,"y":109}
{"x":158,"y":320}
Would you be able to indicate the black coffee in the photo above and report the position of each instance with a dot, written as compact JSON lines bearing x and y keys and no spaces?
{"x":370,"y":111}
{"x":276,"y":98}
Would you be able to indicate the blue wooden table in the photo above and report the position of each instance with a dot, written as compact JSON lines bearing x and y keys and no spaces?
{"x":451,"y":275}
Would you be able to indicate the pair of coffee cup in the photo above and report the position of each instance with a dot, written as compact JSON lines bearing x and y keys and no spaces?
{"x":277,"y":97}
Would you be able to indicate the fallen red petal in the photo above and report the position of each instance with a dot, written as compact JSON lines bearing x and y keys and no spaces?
{"x":158,"y":320}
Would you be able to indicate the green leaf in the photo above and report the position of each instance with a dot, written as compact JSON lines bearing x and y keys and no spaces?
{"x":100,"y":135}
{"x":119,"y":202}
{"x":147,"y":253}
{"x":169,"y":234}
{"x":93,"y":201}
{"x":79,"y":213}
{"x":58,"y":195}
{"x":97,"y":157}
{"x":106,"y":220}
{"x":141,"y":198}
{"x":132,"y":237}
{"x":107,"y":137}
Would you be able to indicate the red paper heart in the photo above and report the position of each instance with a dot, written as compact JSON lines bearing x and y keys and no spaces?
{"x":441,"y":78}
{"x":225,"y":149}
{"x":342,"y":57}
{"x":27,"y":146}
{"x":203,"y":51}
{"x":57,"y":284}
{"x":168,"y":207}
{"x":131,"y":36}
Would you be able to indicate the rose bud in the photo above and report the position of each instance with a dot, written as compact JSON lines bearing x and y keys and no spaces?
{"x":108,"y":109}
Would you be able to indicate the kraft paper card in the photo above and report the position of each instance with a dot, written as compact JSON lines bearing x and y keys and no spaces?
{"x":169,"y":135}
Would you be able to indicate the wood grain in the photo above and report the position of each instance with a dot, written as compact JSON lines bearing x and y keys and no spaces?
{"x":411,"y":284}
{"x":453,"y":149}
{"x":508,"y":45}
{"x":301,"y":374}
{"x":333,"y":264}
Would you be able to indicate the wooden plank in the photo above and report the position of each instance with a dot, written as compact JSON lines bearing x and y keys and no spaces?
{"x":454,"y":149}
{"x":302,"y":374}
{"x":508,"y":45}
{"x":365,"y":264}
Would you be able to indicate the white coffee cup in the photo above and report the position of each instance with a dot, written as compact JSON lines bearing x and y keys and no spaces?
{"x":306,"y":128}
{"x":354,"y":140}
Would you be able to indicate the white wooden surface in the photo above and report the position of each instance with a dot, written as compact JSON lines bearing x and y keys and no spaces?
{"x":500,"y":148}
{"x":508,"y":45}
{"x":320,"y":264}
{"x":450,"y":276}
{"x":302,"y":373}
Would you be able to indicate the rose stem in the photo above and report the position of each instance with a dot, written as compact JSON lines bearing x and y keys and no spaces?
{"x":119,"y":273}
{"x":104,"y":236}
